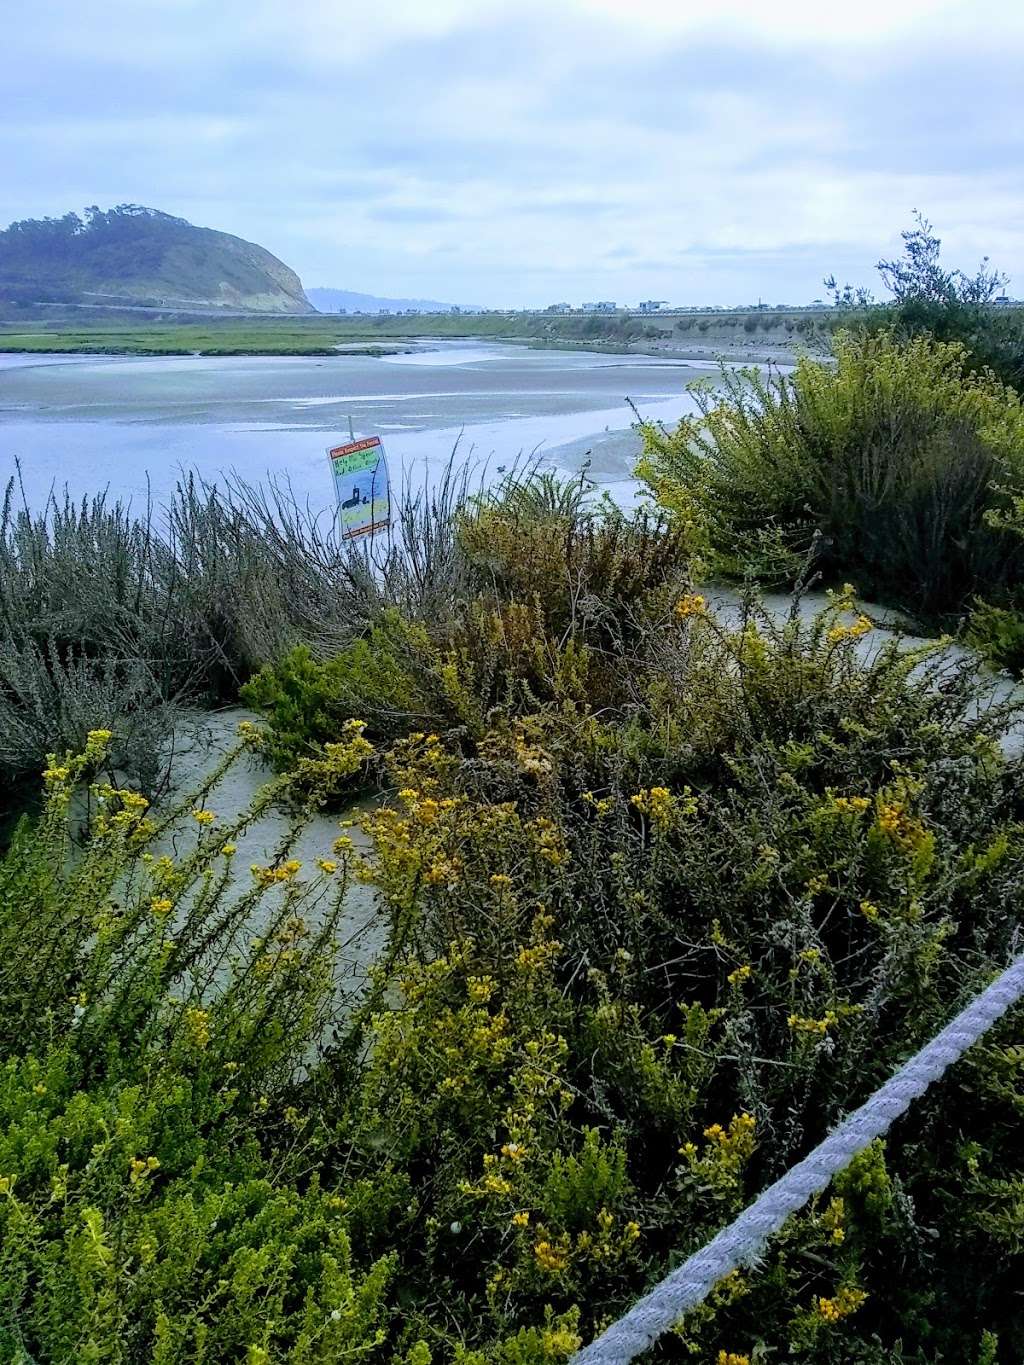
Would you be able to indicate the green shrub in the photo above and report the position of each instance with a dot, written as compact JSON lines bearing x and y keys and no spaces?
{"x":664,"y":898}
{"x":890,"y":463}
{"x":541,"y":540}
{"x":154,"y":1204}
{"x":646,"y":960}
{"x":998,"y":634}
{"x":111,"y":618}
{"x":555,"y":586}
{"x":307,"y":700}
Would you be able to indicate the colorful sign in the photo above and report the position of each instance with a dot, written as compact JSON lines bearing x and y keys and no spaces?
{"x":361,"y":486}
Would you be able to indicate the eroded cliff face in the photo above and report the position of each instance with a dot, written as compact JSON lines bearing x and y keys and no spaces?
{"x":224,"y":271}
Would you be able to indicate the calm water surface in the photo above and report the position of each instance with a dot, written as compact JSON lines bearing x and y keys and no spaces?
{"x":128,"y":423}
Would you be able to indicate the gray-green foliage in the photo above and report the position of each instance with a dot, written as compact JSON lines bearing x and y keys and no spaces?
{"x":112,"y":616}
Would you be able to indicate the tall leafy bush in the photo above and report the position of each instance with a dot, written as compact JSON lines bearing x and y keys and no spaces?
{"x":891,"y":462}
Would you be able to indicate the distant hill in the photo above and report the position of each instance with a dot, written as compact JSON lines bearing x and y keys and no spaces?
{"x":345,"y":301}
{"x":139,"y":256}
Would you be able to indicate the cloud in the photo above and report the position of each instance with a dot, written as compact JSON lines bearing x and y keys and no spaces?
{"x":499,"y":150}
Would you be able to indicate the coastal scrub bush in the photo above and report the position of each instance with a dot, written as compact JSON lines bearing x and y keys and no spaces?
{"x":556,"y":587}
{"x":156,"y":1199}
{"x":547,"y":541}
{"x":307,"y":700}
{"x":997,"y":633}
{"x":646,"y":942}
{"x":892,"y":463}
{"x":645,"y":959}
{"x":113,"y":618}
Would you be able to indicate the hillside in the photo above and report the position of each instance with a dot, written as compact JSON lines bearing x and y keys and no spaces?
{"x":347,"y":301}
{"x":140,"y":256}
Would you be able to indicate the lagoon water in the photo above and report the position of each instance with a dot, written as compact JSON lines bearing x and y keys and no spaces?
{"x":132,"y":424}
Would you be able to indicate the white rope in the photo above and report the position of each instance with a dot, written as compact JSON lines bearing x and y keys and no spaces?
{"x":743,"y":1241}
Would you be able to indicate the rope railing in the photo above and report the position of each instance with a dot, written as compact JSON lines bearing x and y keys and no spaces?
{"x":743,"y":1241}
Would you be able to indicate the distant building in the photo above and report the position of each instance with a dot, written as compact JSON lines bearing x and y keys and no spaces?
{"x":558,"y":308}
{"x":605,"y":306}
{"x":653,"y":305}
{"x":1002,"y":300}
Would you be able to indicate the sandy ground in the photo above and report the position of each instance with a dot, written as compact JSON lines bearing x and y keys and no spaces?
{"x":199,"y":745}
{"x":997,"y":688}
{"x":747,"y":351}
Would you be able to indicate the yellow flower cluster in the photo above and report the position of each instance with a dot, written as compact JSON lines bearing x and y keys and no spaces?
{"x":532,"y":959}
{"x":141,"y":1167}
{"x":655,"y":802}
{"x":741,"y":974}
{"x":851,"y":805}
{"x":197,"y":1026}
{"x":889,"y":817}
{"x":659,"y":804}
{"x":558,"y":1343}
{"x":741,"y":1132}
{"x":732,"y":1358}
{"x":250,"y":734}
{"x":204,"y":817}
{"x":603,"y":1245}
{"x":902,"y":828}
{"x":549,"y":842}
{"x":442,"y":871}
{"x":801,"y":1024}
{"x":860,"y":627}
{"x":161,"y":905}
{"x":728,"y":1150}
{"x":692,"y":604}
{"x":552,"y":1257}
{"x":480,"y":988}
{"x":832,"y":1221}
{"x":128,"y":819}
{"x":57,"y":773}
{"x":270,"y":876}
{"x":847,"y":1301}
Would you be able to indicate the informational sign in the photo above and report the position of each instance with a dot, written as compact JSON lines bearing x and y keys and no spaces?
{"x":361,"y":486}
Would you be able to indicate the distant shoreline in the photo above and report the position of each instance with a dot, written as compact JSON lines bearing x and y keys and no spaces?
{"x":101,"y":345}
{"x":758,"y":338}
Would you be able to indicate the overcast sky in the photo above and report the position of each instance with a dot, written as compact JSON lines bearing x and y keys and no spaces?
{"x":520,"y":152}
